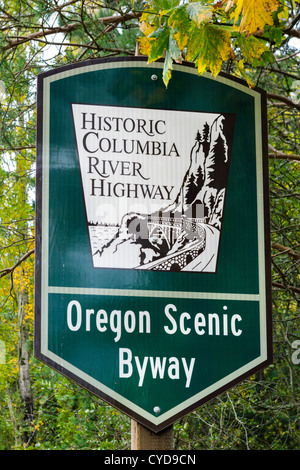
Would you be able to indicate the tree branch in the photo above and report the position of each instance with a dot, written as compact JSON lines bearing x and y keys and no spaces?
{"x":283,"y":156}
{"x":293,"y":22}
{"x":283,"y":99}
{"x":14,"y":149}
{"x":282,"y":286}
{"x":6,"y":271}
{"x":112,"y":20}
{"x":85,"y":46}
{"x":286,"y":74}
{"x":285,"y":249}
{"x":40,"y":34}
{"x":292,"y":32}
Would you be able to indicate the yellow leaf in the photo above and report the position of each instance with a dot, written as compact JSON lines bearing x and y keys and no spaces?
{"x":241,"y":73}
{"x":145,"y":45}
{"x":146,"y":28}
{"x":255,"y":14}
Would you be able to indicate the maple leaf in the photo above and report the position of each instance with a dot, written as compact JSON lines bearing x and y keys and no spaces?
{"x":251,"y":47}
{"x":173,"y":53}
{"x":160,"y":43}
{"x":255,"y":14}
{"x":199,"y":13}
{"x":179,"y":21}
{"x":209,"y":46}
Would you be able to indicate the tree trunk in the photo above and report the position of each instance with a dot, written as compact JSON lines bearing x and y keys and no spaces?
{"x":24,"y":376}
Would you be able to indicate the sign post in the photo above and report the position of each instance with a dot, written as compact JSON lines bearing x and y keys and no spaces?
{"x":152,"y":254}
{"x":144,"y":439}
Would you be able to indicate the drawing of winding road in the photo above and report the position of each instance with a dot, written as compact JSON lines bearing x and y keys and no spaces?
{"x":199,"y":254}
{"x":207,"y":260}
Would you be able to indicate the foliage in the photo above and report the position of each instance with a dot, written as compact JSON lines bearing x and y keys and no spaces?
{"x":245,"y":38}
{"x":207,"y":33}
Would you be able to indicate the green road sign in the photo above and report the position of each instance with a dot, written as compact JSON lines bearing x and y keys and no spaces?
{"x":152,"y":256}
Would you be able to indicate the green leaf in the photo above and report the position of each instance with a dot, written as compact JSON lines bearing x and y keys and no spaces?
{"x":174,"y":49}
{"x":157,"y":33}
{"x":209,"y":46}
{"x":179,"y":21}
{"x":173,"y":53}
{"x":275,"y":35}
{"x":160,"y":44}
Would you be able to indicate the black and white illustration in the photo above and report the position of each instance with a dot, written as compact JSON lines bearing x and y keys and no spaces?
{"x":154,"y":185}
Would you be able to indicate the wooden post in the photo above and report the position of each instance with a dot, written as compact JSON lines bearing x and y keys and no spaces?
{"x":144,"y":439}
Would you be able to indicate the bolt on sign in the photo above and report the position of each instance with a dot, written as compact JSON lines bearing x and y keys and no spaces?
{"x":153,"y":263}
